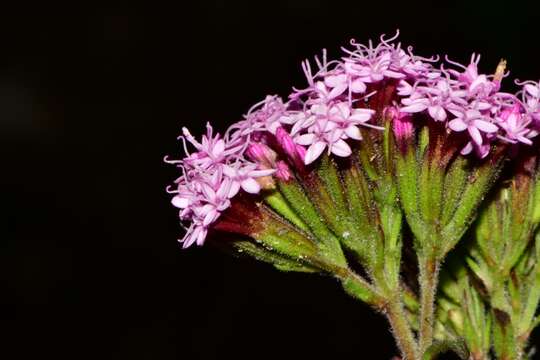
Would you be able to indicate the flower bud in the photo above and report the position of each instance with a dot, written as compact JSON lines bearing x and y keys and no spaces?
{"x":262,"y":154}
{"x":283,"y":172}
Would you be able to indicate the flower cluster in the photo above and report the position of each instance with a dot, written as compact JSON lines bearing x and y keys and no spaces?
{"x":329,"y":114}
{"x":211,"y":176}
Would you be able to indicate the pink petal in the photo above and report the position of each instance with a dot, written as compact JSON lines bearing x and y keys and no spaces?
{"x":338,"y":90}
{"x":326,"y":125}
{"x":485,"y":126}
{"x":457,"y":125}
{"x":344,"y":108}
{"x":180,"y":202}
{"x":233,"y":190}
{"x":224,"y":189}
{"x":483,"y":105}
{"x":201,"y":236}
{"x":525,"y":140}
{"x":376,"y":76}
{"x":483,"y":151}
{"x":259,"y":173}
{"x":394,"y":74}
{"x":475,"y":135}
{"x":314,"y":151}
{"x":251,"y":186}
{"x":219,"y":147}
{"x":306,"y":139}
{"x":443,"y":85}
{"x":437,"y":113}
{"x":319,"y":109}
{"x":335,"y":80}
{"x":467,"y":149}
{"x":414,"y":107}
{"x":289,"y":119}
{"x":533,"y":90}
{"x":335,"y":135}
{"x":321,"y":87}
{"x":210,"y":217}
{"x":208,"y":192}
{"x":353,"y":132}
{"x":341,"y":148}
{"x":456,"y":112}
{"x":360,"y":116}
{"x":272,"y":127}
{"x":479,"y":81}
{"x":357,"y":86}
{"x":229,"y":171}
{"x":190,"y":238}
{"x":404,"y":88}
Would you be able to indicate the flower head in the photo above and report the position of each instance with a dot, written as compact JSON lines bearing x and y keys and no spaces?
{"x":276,"y":140}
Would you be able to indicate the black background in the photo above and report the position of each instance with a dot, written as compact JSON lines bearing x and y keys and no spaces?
{"x":91,"y":99}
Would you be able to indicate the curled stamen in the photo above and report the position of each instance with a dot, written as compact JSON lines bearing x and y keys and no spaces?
{"x":169,"y":161}
{"x":455,"y":63}
{"x":388,"y":41}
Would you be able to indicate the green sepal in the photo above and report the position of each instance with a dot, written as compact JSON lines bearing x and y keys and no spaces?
{"x":478,"y":184}
{"x":535,"y":218}
{"x":328,"y":244}
{"x":330,"y":177}
{"x":286,"y":242}
{"x":363,"y":215}
{"x":334,"y":196}
{"x":430,"y":193}
{"x":503,"y":335}
{"x":262,"y":254}
{"x":454,"y":183}
{"x":279,"y":204}
{"x":407,"y":180}
{"x":532,"y":293}
{"x":391,"y":220}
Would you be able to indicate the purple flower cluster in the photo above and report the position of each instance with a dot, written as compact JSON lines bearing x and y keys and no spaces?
{"x":328,"y":115}
{"x":211,"y":176}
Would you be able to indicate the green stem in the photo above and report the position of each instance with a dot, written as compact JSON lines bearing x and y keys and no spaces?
{"x":356,"y":286}
{"x":401,"y":328}
{"x":429,"y":270}
{"x":387,"y":301}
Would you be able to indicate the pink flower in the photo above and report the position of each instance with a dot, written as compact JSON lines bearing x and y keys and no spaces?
{"x":473,"y":122}
{"x":531,"y":100}
{"x":515,"y":124}
{"x":209,"y":198}
{"x":333,"y":125}
{"x":323,"y":133}
{"x":348,"y":119}
{"x":436,"y":98}
{"x":211,"y":150}
{"x":244,"y":177}
{"x":338,"y":83}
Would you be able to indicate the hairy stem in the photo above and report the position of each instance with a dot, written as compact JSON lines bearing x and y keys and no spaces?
{"x":429,"y":270}
{"x":401,"y":328}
